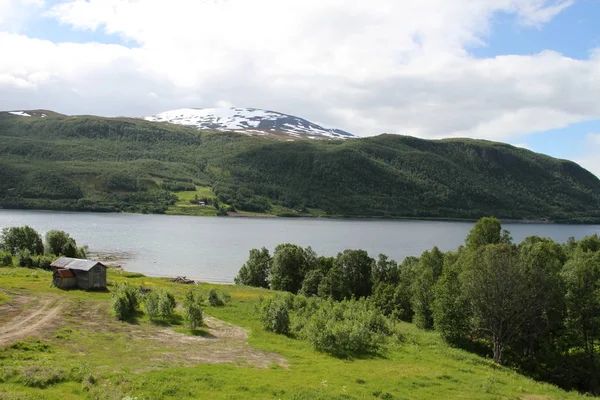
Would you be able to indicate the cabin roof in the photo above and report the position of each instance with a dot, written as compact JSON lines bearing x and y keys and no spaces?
{"x":74,"y":263}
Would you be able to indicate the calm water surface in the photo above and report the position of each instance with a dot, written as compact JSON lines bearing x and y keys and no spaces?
{"x":213,"y":249}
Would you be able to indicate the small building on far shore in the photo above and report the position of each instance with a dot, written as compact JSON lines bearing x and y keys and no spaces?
{"x":69,"y":273}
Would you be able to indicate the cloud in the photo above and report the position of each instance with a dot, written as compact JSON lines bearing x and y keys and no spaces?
{"x":590,"y":159}
{"x":14,"y":13}
{"x":366,"y":67}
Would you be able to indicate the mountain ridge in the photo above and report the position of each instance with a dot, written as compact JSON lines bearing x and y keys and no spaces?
{"x":88,"y":163}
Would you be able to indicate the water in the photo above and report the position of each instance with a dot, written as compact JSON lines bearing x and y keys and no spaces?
{"x":213,"y":249}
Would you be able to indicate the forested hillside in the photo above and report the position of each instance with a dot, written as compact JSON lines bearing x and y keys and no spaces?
{"x":102,"y":164}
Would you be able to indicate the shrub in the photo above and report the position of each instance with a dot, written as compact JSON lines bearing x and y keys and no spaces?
{"x":166,"y":304}
{"x":24,"y":259}
{"x":37,"y":376}
{"x":214,"y":299}
{"x":192,"y":310}
{"x":151,"y":305}
{"x":125,"y":301}
{"x":274,"y":315}
{"x":346,"y":328}
{"x":6,"y":259}
{"x":43,"y":262}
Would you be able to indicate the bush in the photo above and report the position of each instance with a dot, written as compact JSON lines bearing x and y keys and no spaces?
{"x":125,"y":302}
{"x":192,"y":308}
{"x":24,"y":259}
{"x":42,"y":262}
{"x":274,"y":315}
{"x":346,"y":328}
{"x":151,"y":305}
{"x":214,"y":299}
{"x":166,"y":304}
{"x":6,"y":259}
{"x":159,"y":305}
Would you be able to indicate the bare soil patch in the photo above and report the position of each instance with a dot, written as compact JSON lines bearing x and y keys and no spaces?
{"x":27,"y":316}
{"x":218,"y":341}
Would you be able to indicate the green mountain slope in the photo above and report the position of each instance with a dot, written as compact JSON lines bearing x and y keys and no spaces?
{"x":93,"y":163}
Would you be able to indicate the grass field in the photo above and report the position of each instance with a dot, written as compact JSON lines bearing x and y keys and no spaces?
{"x":84,"y":352}
{"x":184,"y":207}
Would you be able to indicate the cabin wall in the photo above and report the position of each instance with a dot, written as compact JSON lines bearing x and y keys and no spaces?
{"x":83,"y":281}
{"x":97,"y":277}
{"x":64,"y":283}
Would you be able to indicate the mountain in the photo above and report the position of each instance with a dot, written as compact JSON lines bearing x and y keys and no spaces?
{"x":126,"y":164}
{"x":250,"y":121}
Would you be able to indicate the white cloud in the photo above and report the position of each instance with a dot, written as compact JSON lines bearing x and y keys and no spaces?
{"x":367,"y":67}
{"x":591,"y":159}
{"x":14,"y":13}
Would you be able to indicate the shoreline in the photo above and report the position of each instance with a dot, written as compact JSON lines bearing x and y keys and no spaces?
{"x":238,"y":215}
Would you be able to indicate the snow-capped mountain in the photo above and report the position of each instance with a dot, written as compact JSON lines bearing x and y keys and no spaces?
{"x":250,"y":121}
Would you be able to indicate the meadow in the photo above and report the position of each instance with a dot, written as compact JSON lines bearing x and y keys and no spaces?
{"x":83,"y":351}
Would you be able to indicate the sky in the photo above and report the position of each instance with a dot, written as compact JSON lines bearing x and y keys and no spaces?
{"x":525,"y":72}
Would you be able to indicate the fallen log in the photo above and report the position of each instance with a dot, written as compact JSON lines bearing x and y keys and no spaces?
{"x":182,"y":279}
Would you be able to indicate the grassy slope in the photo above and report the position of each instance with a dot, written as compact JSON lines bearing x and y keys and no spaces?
{"x":384,"y":176}
{"x":419,"y":367}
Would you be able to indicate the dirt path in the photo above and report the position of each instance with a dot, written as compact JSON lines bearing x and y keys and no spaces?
{"x":153,"y":346}
{"x":30,"y":321}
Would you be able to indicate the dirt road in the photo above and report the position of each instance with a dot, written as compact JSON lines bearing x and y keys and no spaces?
{"x":30,"y":321}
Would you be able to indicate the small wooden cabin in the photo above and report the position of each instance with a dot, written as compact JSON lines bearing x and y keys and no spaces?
{"x":87,"y":274}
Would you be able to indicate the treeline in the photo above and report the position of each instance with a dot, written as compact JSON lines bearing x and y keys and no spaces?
{"x":23,"y":246}
{"x":533,"y":306}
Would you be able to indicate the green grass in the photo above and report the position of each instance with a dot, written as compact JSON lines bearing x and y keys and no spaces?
{"x":73,"y":361}
{"x":201,"y":191}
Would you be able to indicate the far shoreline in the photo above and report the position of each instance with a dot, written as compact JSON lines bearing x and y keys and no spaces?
{"x":242,"y":215}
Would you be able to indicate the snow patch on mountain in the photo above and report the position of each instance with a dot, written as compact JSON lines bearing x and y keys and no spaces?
{"x":250,"y":121}
{"x":20,"y":113}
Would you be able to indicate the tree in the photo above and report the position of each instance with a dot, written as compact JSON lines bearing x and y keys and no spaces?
{"x":403,"y":293}
{"x":582,"y":279}
{"x":451,"y":308}
{"x":192,"y":310}
{"x":255,"y":272}
{"x":498,"y":292}
{"x":288,"y":268}
{"x":61,"y":243}
{"x":428,"y":271}
{"x":541,"y":261}
{"x":384,"y":270}
{"x":311,"y":282}
{"x":15,"y":239}
{"x":354,"y":267}
{"x":590,"y":243}
{"x":487,"y":230}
